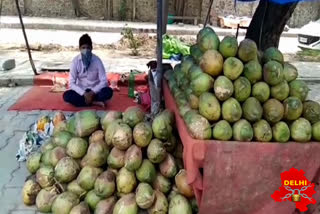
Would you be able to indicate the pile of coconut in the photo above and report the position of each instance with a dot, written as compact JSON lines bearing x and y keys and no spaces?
{"x":117,"y":164}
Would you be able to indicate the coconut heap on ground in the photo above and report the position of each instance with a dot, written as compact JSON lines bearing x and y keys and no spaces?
{"x":119,"y":164}
{"x":242,"y":93}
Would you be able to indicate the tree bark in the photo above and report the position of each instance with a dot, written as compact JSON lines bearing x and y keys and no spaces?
{"x":77,"y":9}
{"x":268,"y":23}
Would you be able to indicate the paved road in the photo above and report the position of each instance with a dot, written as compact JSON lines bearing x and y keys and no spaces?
{"x":12,"y":127}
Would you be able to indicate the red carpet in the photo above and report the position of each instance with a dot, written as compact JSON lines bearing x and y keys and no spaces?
{"x":39,"y":96}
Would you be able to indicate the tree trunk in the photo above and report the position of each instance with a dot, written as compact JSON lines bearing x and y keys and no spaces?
{"x":268,"y":23}
{"x":77,"y":9}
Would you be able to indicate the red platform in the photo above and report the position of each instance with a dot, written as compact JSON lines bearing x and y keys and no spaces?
{"x":240,"y":177}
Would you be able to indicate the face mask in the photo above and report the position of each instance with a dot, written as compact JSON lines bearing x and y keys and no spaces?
{"x":86,"y":55}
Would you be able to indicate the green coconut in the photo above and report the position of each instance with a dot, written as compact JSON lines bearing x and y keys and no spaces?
{"x":66,"y":170}
{"x":108,"y":118}
{"x":273,"y":73}
{"x":281,"y":132}
{"x":126,"y":205}
{"x":316,"y":131}
{"x":105,"y":184}
{"x":142,"y":134}
{"x":201,"y":83}
{"x":280,"y":91}
{"x":193,"y":101}
{"x":133,"y":157}
{"x":126,"y":181}
{"x":33,"y":162}
{"x":122,"y":137}
{"x":223,"y":88}
{"x":212,"y":63}
{"x":30,"y":191}
{"x":273,"y":111}
{"x":77,"y":147}
{"x":145,"y":195}
{"x":290,"y":72}
{"x":272,"y":53}
{"x":179,"y":204}
{"x":168,"y":167}
{"x":161,"y":127}
{"x":242,"y":89}
{"x":147,"y":172}
{"x":116,"y":158}
{"x":299,"y":88}
{"x":196,"y":53}
{"x":112,"y":127}
{"x":252,"y":109}
{"x":161,"y":184}
{"x":242,"y":131}
{"x":45,"y":199}
{"x":222,"y":131}
{"x":209,"y":106}
{"x":261,"y":91}
{"x":133,"y":115}
{"x":56,"y":155}
{"x":198,"y":126}
{"x":64,"y":203}
{"x":301,"y":130}
{"x":194,"y":72}
{"x":92,"y":199}
{"x":106,"y":206}
{"x":232,"y":68}
{"x":311,"y":111}
{"x":186,"y":65}
{"x":293,"y":108}
{"x":45,"y":158}
{"x":156,"y":151}
{"x":247,"y":50}
{"x":47,"y":145}
{"x":74,"y":187}
{"x":253,"y":71}
{"x":231,"y":110}
{"x":97,"y":155}
{"x":160,"y":206}
{"x":71,"y":125}
{"x":62,"y":138}
{"x":228,"y":46}
{"x":207,"y":39}
{"x":45,"y":176}
{"x":87,"y":177}
{"x":81,"y":208}
{"x":262,"y":131}
{"x":86,"y":122}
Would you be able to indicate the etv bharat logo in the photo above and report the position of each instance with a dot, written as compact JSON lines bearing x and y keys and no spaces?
{"x":296,"y":188}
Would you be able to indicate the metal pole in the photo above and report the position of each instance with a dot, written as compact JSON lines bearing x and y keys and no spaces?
{"x":208,"y":14}
{"x":26,"y":39}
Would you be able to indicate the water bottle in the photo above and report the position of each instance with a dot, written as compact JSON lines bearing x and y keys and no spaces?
{"x":131,"y":85}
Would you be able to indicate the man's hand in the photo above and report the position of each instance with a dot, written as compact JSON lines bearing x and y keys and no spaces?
{"x":89,"y":96}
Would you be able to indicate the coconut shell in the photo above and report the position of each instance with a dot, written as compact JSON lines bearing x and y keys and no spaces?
{"x":106,"y":206}
{"x":122,"y":137}
{"x":45,"y":176}
{"x":105,"y":184}
{"x":30,"y":191}
{"x":92,"y":199}
{"x":77,"y":147}
{"x":112,"y":127}
{"x":133,"y":158}
{"x":97,"y":155}
{"x":81,"y":208}
{"x":145,"y":196}
{"x":116,"y":158}
{"x":33,"y":162}
{"x":179,"y":204}
{"x":87,"y":177}
{"x":126,"y":181}
{"x":96,"y":136}
{"x":75,"y":188}
{"x":162,"y":184}
{"x":133,"y":115}
{"x":66,"y":170}
{"x":156,"y":151}
{"x":126,"y":205}
{"x":56,"y":155}
{"x":182,"y":184}
{"x":142,"y":134}
{"x":168,"y":167}
{"x":64,"y":203}
{"x":160,"y":206}
{"x":62,"y":138}
{"x":45,"y":199}
{"x":109,"y":117}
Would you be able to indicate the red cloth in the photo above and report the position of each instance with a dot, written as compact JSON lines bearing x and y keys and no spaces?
{"x":240,"y":177}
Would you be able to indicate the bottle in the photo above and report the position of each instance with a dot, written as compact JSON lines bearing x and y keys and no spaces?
{"x":131,"y":85}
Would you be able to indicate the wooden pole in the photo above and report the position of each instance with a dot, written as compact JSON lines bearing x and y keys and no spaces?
{"x":134,"y":10}
{"x":208,"y":14}
{"x":26,"y":39}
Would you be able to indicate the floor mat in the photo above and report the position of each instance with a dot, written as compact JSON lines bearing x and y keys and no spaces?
{"x":40,"y":98}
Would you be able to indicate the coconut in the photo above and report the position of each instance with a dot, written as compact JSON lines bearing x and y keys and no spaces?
{"x":290,"y":72}
{"x":81,"y":208}
{"x":174,"y":191}
{"x":97,"y":155}
{"x":252,"y":109}
{"x":186,"y":65}
{"x":242,"y":89}
{"x":281,"y":132}
{"x":242,"y":131}
{"x":133,"y":158}
{"x":74,"y":187}
{"x":247,"y":50}
{"x":56,"y":155}
{"x":212,"y":63}
{"x":108,"y":118}
{"x":116,"y":158}
{"x":92,"y":199}
{"x":207,"y":39}
{"x":231,"y":110}
{"x":122,"y":137}
{"x":126,"y":205}
{"x":64,"y":203}
{"x":315,"y":131}
{"x":142,"y":134}
{"x":30,"y":191}
{"x":272,"y":53}
{"x":86,"y":122}
{"x":145,"y":195}
{"x":61,"y":126}
{"x":162,"y":184}
{"x":261,"y":91}
{"x":105,"y":184}
{"x":299,"y":88}
{"x":45,"y":199}
{"x":147,"y":172}
{"x":126,"y":181}
{"x":87,"y":177}
{"x":201,"y":83}
{"x":223,"y":88}
{"x":262,"y":131}
{"x":45,"y":158}
{"x":228,"y":46}
{"x":62,"y":138}
{"x":280,"y":91}
{"x":106,"y":206}
{"x":311,"y":111}
{"x":160,"y":206}
{"x":112,"y":127}
{"x":45,"y":176}
{"x":253,"y":71}
{"x":179,"y":204}
{"x":71,"y":125}
{"x":301,"y":130}
{"x":168,"y":167}
{"x":222,"y":130}
{"x":273,"y":73}
{"x":209,"y":106}
{"x":196,"y":53}
{"x":48,"y":145}
{"x":66,"y":170}
{"x":96,"y":136}
{"x":293,"y":108}
{"x":156,"y":151}
{"x":77,"y":147}
{"x":161,"y":127}
{"x":232,"y":68}
{"x":58,"y":118}
{"x":273,"y":111}
{"x":198,"y":126}
{"x":182,"y":184}
{"x":33,"y":162}
{"x":133,"y":115}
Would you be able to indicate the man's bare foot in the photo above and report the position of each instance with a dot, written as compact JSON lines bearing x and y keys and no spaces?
{"x":97,"y":103}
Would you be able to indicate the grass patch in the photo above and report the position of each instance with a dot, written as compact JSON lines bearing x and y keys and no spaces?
{"x":309,"y":55}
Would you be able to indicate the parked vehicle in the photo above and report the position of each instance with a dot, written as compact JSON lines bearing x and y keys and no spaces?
{"x":309,"y":36}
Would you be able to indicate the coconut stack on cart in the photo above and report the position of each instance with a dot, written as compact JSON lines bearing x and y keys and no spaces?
{"x":246,"y":118}
{"x":117,"y":164}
